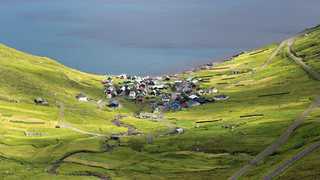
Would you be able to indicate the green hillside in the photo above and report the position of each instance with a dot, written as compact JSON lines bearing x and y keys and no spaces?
{"x":308,"y":47}
{"x":274,"y":101}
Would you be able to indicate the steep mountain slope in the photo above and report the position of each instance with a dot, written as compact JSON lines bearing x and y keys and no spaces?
{"x":273,"y":101}
{"x":25,"y":77}
{"x":307,"y":46}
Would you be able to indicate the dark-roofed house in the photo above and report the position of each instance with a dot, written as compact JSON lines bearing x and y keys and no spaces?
{"x":41,"y":101}
{"x":113,"y":103}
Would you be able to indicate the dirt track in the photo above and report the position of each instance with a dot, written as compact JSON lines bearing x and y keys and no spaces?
{"x":285,"y":165}
{"x":312,"y":73}
{"x":53,"y":169}
{"x":285,"y":136}
{"x":280,"y":141}
{"x":274,"y":54}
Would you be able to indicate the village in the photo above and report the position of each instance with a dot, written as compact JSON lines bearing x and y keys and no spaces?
{"x":162,"y":94}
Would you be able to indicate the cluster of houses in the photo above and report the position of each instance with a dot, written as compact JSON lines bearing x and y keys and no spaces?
{"x":162,"y":93}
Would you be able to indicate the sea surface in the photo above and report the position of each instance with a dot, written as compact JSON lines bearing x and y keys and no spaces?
{"x":148,"y":37}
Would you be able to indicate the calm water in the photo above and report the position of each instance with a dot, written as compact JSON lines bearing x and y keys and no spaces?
{"x":148,"y":36}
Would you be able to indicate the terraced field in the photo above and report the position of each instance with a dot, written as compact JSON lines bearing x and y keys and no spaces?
{"x":73,"y":141}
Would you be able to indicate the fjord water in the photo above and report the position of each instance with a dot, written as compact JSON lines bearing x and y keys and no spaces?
{"x":148,"y":36}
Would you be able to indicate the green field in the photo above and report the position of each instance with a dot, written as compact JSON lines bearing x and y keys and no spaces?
{"x":277,"y":89}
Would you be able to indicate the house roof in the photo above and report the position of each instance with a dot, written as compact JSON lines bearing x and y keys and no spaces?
{"x":81,"y":95}
{"x":193,"y":96}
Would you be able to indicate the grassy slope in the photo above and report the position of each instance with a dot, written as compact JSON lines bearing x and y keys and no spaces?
{"x":308,"y":47}
{"x":209,"y":151}
{"x":25,"y":77}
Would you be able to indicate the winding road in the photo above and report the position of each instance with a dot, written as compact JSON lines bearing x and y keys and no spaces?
{"x":56,"y":164}
{"x":274,"y":54}
{"x":267,"y":61}
{"x":311,"y":72}
{"x":278,"y":143}
{"x":131,"y":129}
{"x":285,"y":165}
{"x":53,"y":169}
{"x":286,"y":135}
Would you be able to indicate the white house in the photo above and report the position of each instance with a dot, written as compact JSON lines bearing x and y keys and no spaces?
{"x":193,"y":96}
{"x":82,"y":98}
{"x":179,"y":130}
{"x":132,"y":95}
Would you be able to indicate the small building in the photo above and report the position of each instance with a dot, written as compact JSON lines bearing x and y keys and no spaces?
{"x":158,"y":86}
{"x":212,"y":91}
{"x":113,"y":103}
{"x":221,"y":98}
{"x":165,"y":98}
{"x":140,"y":97}
{"x":210,"y":64}
{"x":41,"y":101}
{"x":201,"y":92}
{"x":132,"y":95}
{"x":123,"y":76}
{"x":234,"y":72}
{"x":105,"y":81}
{"x":167,"y":78}
{"x":187,"y":89}
{"x":175,"y":96}
{"x":175,"y":106}
{"x":115,"y":137}
{"x":184,"y":104}
{"x":82,"y":97}
{"x":193,"y":97}
{"x":179,"y":130}
{"x":142,"y":87}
